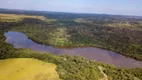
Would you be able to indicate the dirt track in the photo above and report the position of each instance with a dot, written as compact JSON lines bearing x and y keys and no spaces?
{"x":105,"y":76}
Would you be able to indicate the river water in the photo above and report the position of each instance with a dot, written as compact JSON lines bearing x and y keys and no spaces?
{"x":20,"y":40}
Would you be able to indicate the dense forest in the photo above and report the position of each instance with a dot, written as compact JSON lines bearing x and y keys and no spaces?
{"x":122,"y":34}
{"x":77,"y":32}
{"x":70,"y":68}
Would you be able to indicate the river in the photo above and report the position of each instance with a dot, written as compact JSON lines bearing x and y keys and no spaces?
{"x":20,"y":40}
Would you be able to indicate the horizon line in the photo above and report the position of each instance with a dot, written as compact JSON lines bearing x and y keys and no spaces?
{"x":73,"y":12}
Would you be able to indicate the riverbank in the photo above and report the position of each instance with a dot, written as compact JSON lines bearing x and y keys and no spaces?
{"x":116,"y":41}
{"x":20,"y":40}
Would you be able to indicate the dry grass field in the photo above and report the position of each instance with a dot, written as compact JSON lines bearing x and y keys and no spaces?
{"x":27,"y":69}
{"x":16,"y":17}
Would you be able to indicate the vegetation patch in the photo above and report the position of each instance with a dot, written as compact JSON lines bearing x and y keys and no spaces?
{"x":81,"y":20}
{"x":50,"y":20}
{"x":59,"y":37}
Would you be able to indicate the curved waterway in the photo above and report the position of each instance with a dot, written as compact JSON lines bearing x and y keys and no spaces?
{"x":20,"y":40}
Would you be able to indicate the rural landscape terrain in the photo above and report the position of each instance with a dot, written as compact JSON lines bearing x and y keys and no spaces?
{"x":118,"y":33}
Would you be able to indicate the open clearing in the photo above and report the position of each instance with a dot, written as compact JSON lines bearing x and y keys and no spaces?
{"x":27,"y":69}
{"x":16,"y":18}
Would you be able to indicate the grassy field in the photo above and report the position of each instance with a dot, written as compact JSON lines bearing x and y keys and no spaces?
{"x":27,"y":69}
{"x":16,"y":18}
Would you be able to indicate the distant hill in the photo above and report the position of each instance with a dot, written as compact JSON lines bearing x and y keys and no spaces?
{"x":44,"y":13}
